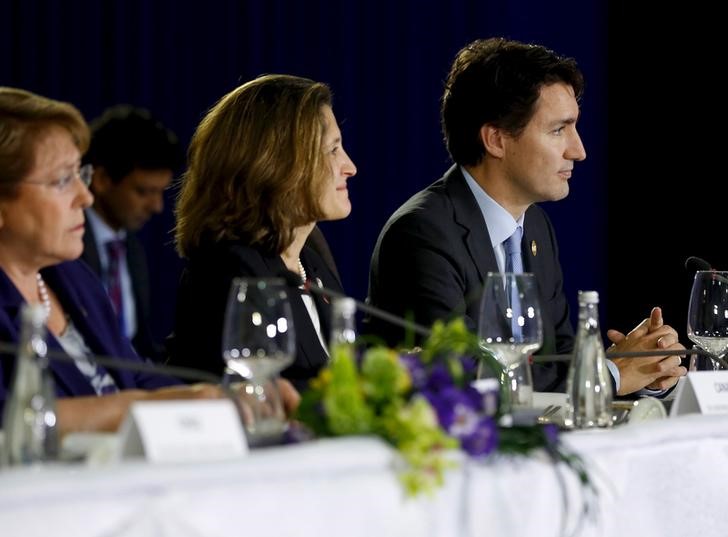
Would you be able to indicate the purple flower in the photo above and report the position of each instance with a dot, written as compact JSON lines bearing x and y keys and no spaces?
{"x":551,"y":433}
{"x":470,"y":366}
{"x":416,"y":370}
{"x":439,"y":378}
{"x":483,"y":440}
{"x":455,"y":408}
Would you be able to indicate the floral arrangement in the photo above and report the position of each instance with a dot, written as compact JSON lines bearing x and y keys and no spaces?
{"x":423,"y":404}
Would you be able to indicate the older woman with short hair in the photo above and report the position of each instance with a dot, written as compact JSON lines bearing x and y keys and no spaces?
{"x":265,"y":164}
{"x":43,"y":194}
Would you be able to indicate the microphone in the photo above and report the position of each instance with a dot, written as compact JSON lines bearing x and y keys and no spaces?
{"x":694,"y":264}
{"x":294,"y":280}
{"x":118,"y":363}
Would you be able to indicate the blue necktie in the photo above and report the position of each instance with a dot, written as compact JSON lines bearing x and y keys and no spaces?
{"x":514,"y":263}
{"x":512,"y":247}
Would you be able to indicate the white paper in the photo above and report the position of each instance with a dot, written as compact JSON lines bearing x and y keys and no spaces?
{"x":702,"y":392}
{"x":183,"y":431}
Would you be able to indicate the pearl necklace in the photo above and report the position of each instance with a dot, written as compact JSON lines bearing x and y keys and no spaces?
{"x":302,"y":272}
{"x":43,"y":295}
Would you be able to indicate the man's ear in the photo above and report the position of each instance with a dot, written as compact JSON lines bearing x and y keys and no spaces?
{"x":101,"y":181}
{"x":492,"y":138}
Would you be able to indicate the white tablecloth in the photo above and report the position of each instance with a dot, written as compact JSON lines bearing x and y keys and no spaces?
{"x":666,"y":478}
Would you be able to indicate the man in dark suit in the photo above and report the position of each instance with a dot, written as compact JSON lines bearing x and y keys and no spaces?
{"x":134,"y":157}
{"x":509,"y":116}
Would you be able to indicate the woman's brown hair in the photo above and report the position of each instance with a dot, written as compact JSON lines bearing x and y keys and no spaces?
{"x":24,"y":116}
{"x":255,"y":165}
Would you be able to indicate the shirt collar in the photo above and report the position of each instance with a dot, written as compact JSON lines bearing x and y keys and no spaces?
{"x":102,"y":231}
{"x":499,"y":221}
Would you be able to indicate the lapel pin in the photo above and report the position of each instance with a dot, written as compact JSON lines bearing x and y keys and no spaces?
{"x":534,"y":248}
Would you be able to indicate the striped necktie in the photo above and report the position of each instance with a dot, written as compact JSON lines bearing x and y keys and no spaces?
{"x":512,"y":247}
{"x":514,"y":263}
{"x":116,"y":250}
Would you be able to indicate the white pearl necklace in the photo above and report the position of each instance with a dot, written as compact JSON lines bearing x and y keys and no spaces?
{"x":43,"y":295}
{"x":302,"y":272}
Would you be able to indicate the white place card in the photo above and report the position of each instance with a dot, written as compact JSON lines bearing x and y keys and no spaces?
{"x":183,"y":431}
{"x":702,"y":392}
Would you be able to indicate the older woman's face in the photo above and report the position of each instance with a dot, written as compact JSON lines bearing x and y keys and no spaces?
{"x":44,"y":223}
{"x":335,"y":202}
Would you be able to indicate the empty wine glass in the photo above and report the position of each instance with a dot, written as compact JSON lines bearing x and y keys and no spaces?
{"x":708,"y":315}
{"x":510,"y":328}
{"x":258,"y":342}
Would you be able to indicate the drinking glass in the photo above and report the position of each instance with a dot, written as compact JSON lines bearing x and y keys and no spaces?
{"x":258,"y":342}
{"x":510,"y":329}
{"x":708,"y":315}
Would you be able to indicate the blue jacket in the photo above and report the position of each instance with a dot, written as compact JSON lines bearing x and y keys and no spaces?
{"x":85,"y":302}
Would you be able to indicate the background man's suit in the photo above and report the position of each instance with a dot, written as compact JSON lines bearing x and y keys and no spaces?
{"x":139,"y":273}
{"x":434,"y":253}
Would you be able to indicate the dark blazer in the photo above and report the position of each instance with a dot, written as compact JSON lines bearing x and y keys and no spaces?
{"x":84,"y":300}
{"x":318,"y":243}
{"x":202,"y":299}
{"x":136,"y":260}
{"x":434,"y":253}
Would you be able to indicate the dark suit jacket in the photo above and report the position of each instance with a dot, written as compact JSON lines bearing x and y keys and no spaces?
{"x":202,"y":299}
{"x":434,"y":253}
{"x":139,"y":272}
{"x":317,"y":242}
{"x":84,"y":300}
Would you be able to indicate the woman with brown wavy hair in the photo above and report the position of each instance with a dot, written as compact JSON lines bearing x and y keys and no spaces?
{"x":265,"y":164}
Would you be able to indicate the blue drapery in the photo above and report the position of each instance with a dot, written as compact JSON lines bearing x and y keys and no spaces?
{"x":385,"y":62}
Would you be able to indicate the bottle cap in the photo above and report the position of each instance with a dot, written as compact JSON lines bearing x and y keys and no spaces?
{"x":588,"y":297}
{"x":34,"y":314}
{"x":344,"y":306}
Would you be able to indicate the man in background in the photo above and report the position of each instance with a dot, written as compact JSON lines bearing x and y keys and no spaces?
{"x":134,"y":159}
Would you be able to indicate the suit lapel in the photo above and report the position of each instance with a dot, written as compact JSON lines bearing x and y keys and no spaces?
{"x":96,"y":336}
{"x":536,"y":263}
{"x":90,"y":251}
{"x":532,"y":262}
{"x":305,"y":332}
{"x":321,"y":276}
{"x":468,"y":216}
{"x":68,"y":378}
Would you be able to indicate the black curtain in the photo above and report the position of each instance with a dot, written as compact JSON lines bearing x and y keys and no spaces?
{"x":385,"y":62}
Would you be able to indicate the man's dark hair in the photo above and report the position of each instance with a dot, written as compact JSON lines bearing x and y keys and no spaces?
{"x":496,"y":81}
{"x":124,"y":138}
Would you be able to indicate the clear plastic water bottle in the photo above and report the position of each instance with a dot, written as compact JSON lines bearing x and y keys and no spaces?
{"x":589,"y":385}
{"x":29,"y":419}
{"x":343,"y":326}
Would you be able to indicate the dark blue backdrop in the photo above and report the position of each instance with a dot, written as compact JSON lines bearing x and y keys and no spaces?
{"x":385,"y":62}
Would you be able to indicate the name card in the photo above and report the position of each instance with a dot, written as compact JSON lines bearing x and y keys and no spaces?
{"x":702,"y":392}
{"x":183,"y":431}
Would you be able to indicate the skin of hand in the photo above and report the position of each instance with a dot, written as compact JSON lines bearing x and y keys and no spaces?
{"x":279,"y":403}
{"x":289,"y":394}
{"x":106,"y":413}
{"x":656,"y":373}
{"x":91,"y":413}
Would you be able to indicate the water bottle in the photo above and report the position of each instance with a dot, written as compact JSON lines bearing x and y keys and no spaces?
{"x":589,"y":385}
{"x":29,"y":419}
{"x":343,"y":326}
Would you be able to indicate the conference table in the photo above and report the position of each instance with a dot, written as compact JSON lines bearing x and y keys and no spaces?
{"x":658,"y":478}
